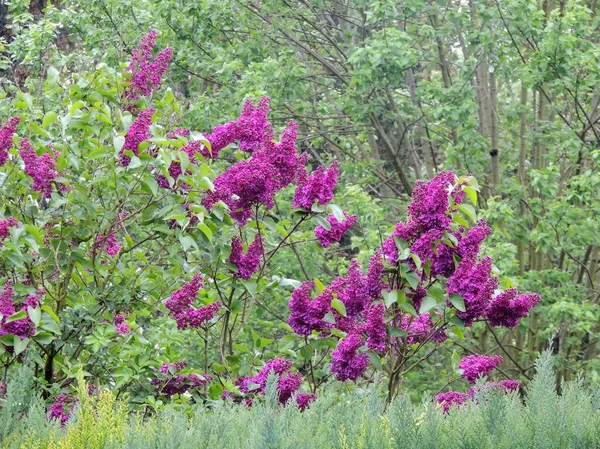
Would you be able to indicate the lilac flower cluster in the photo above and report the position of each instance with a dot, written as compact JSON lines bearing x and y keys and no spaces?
{"x":337,"y":230}
{"x":62,"y":408}
{"x":248,"y":263}
{"x":42,"y":169}
{"x":433,"y":247}
{"x":475,"y":366}
{"x":451,"y":398}
{"x":24,"y":327}
{"x":146,"y":75}
{"x":170,"y":383}
{"x":6,"y":134}
{"x":303,"y":400}
{"x":180,"y":306}
{"x":422,"y":328}
{"x":121,"y":327}
{"x":254,"y":182}
{"x":252,"y":130}
{"x":5,"y":226}
{"x":506,"y":308}
{"x":316,"y":188}
{"x":138,"y":132}
{"x":504,"y":385}
{"x":110,"y":244}
{"x":375,"y":328}
{"x":346,"y":361}
{"x":287,"y":384}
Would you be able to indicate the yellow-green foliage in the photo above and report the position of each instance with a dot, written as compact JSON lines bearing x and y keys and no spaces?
{"x":100,"y":420}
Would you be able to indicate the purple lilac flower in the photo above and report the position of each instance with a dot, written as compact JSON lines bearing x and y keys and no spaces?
{"x":111,"y":244}
{"x":183,"y":132}
{"x":248,"y":263}
{"x":6,"y":134}
{"x":506,"y":309}
{"x":430,"y":202}
{"x":137,"y":133}
{"x":475,"y":285}
{"x":146,"y":75}
{"x":171,"y":383}
{"x":428,"y":211}
{"x":505,"y":385}
{"x":287,"y":384}
{"x":346,"y":362}
{"x":179,"y":304}
{"x":451,"y":398}
{"x":474,"y":366}
{"x":121,"y":327}
{"x":316,"y":188}
{"x":374,"y":281}
{"x":58,"y":410}
{"x":22,"y":328}
{"x":306,"y":314}
{"x":251,"y":129}
{"x":336,"y":231}
{"x":42,"y":169}
{"x":303,"y":400}
{"x":254,"y":182}
{"x":5,"y":226}
{"x":375,"y":328}
{"x":420,"y":328}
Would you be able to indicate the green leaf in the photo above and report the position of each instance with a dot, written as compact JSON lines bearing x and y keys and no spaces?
{"x":20,"y":315}
{"x":35,"y":314}
{"x":469,"y":211}
{"x":375,"y":360}
{"x":323,"y":222}
{"x":427,"y":304}
{"x":150,"y":185}
{"x":395,"y":332}
{"x":319,"y":285}
{"x":250,"y":287}
{"x":50,"y":312}
{"x":329,"y":318}
{"x":458,"y":302}
{"x":187,"y":242}
{"x":52,"y":76}
{"x":20,"y":345}
{"x":49,"y":117}
{"x":413,"y":279}
{"x":339,"y":306}
{"x":390,"y":297}
{"x":407,"y":307}
{"x":215,"y":391}
{"x":471,"y":193}
{"x":338,"y":213}
{"x":307,"y":352}
{"x":206,"y":231}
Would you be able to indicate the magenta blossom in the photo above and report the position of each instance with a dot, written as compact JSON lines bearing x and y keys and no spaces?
{"x":180,"y":306}
{"x":5,"y":226}
{"x":248,"y":263}
{"x":506,"y":309}
{"x":451,"y":398}
{"x":336,"y":231}
{"x":346,"y":362}
{"x":146,"y":74}
{"x":138,"y":132}
{"x":6,"y":134}
{"x":475,"y":366}
{"x":316,"y":188}
{"x":62,"y":408}
{"x":303,"y":400}
{"x":42,"y":169}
